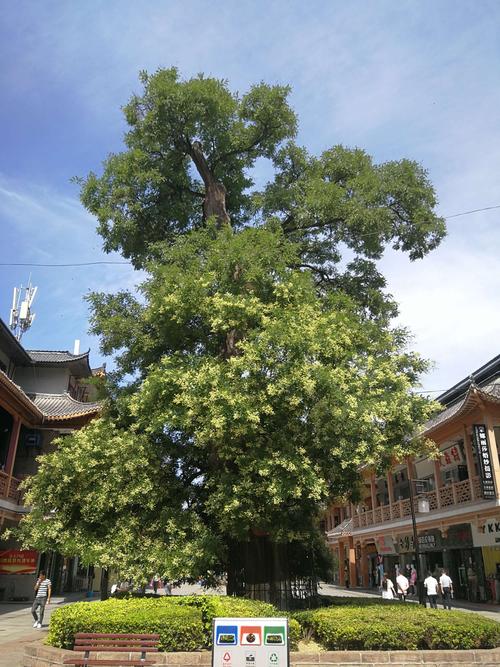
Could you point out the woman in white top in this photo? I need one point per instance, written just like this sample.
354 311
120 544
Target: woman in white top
387 588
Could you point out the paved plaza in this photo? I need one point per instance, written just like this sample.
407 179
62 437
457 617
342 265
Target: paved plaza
16 621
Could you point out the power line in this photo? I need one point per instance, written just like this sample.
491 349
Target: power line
447 217
475 210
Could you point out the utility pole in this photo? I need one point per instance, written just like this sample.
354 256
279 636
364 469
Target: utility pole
420 583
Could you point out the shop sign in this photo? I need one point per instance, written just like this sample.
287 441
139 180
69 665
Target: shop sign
385 545
484 458
14 561
425 543
451 456
487 535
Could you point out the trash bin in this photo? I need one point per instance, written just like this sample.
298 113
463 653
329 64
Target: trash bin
90 594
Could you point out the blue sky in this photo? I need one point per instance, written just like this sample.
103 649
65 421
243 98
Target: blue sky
417 79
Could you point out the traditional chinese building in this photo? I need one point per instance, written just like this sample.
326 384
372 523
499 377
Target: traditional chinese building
43 394
461 531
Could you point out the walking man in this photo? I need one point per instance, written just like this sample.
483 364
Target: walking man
43 591
431 587
402 584
446 588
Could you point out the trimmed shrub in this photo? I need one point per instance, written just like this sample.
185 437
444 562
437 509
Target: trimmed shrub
180 627
184 623
214 606
394 626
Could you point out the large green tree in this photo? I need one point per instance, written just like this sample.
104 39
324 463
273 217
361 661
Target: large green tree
256 366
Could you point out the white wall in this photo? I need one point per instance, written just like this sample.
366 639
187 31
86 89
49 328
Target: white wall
42 380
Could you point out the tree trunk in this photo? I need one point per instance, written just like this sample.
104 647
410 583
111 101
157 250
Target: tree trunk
214 204
104 583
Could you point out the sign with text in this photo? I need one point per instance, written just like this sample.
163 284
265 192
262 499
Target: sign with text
14 561
451 456
385 544
484 460
250 642
426 542
487 534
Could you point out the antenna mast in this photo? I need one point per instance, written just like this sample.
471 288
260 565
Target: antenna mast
21 317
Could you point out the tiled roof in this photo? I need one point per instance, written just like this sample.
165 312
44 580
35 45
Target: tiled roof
54 356
490 392
344 528
15 390
62 406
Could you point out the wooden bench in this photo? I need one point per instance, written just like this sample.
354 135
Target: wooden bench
89 643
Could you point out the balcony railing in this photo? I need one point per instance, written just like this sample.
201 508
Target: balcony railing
11 490
458 493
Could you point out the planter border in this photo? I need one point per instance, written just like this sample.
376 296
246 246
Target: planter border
38 654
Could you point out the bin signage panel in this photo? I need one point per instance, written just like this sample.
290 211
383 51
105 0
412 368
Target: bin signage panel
250 642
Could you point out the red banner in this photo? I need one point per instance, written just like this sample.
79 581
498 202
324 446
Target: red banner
14 561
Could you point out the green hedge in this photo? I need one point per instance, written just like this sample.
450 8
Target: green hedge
394 626
232 607
180 627
183 622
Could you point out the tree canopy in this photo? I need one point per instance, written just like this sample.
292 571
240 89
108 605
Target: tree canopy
257 367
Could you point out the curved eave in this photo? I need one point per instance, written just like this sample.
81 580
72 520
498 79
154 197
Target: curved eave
18 401
72 416
473 398
78 363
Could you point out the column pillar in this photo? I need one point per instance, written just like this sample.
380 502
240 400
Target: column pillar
438 480
11 452
341 564
411 470
14 439
364 568
390 489
390 486
469 459
495 463
352 564
373 490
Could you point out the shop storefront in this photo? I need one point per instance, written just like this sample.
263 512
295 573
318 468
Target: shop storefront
454 550
487 538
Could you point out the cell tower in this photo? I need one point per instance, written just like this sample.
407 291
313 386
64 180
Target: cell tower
21 317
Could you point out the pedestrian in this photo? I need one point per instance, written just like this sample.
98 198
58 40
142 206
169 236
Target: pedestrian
413 580
387 588
431 588
446 586
43 592
156 583
402 584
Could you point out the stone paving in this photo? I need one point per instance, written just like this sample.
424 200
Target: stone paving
16 621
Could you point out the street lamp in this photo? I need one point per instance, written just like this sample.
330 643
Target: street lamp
423 507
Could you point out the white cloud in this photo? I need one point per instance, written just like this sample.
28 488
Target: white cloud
42 226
